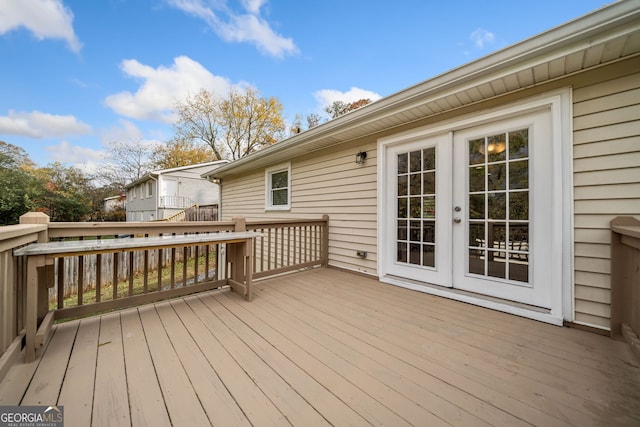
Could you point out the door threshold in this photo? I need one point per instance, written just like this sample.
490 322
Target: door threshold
512 307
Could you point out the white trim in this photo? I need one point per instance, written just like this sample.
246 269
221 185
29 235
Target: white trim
559 102
504 307
268 206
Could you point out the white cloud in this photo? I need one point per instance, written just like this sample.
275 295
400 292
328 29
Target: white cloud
481 37
44 18
41 125
161 87
329 96
126 131
66 153
247 27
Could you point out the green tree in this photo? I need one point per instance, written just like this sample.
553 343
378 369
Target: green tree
65 193
17 183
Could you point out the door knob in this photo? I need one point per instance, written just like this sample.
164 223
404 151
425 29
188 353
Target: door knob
457 220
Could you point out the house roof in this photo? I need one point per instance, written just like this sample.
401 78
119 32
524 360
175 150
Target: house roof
154 174
606 35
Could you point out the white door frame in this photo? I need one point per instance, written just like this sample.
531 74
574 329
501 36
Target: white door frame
561 268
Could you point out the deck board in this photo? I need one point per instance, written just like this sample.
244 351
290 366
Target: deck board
146 401
110 399
76 394
326 347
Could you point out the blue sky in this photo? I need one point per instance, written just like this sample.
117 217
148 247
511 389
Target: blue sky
77 75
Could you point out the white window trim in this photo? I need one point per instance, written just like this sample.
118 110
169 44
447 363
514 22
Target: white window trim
268 206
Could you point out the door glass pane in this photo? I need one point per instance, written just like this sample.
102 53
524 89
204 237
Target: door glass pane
429 159
415 250
519 174
415 231
518 267
476 234
416 207
496 177
402 230
498 210
496 264
497 205
429 183
429 207
476 178
476 151
429 232
415 161
415 187
519 144
476 261
497 235
403 163
519 205
403 186
496 147
476 206
402 252
429 255
402 207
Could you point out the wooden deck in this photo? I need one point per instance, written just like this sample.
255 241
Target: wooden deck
326 347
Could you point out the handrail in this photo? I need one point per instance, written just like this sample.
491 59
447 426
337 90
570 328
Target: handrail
182 213
625 280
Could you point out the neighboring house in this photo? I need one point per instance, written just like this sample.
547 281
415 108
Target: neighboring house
493 183
163 193
115 202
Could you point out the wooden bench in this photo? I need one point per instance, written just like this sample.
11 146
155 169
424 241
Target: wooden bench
39 255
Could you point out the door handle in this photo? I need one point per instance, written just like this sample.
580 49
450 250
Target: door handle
457 220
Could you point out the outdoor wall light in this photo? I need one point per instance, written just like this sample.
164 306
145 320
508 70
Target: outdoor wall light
361 157
493 148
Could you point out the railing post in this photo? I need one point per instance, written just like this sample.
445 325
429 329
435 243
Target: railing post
625 279
240 224
36 290
325 241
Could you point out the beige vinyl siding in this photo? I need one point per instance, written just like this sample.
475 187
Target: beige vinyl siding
606 170
324 182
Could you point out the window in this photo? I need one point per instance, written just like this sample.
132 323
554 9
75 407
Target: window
149 189
278 187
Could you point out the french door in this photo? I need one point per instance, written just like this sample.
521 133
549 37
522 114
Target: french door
471 209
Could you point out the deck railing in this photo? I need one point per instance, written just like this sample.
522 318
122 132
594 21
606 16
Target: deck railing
12 291
84 284
625 280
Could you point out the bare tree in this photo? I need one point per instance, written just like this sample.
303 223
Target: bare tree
127 162
233 127
198 121
339 108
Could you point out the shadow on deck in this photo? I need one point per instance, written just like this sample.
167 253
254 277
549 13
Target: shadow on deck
326 347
